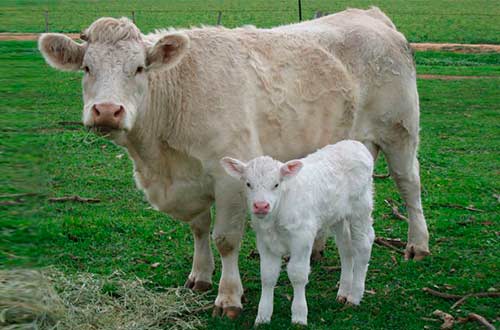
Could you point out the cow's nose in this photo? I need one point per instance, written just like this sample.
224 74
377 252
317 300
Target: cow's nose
261 207
107 115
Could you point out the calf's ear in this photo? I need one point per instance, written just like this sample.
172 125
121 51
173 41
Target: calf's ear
290 169
233 167
168 51
60 52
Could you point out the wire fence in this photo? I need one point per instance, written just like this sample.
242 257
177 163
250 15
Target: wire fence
458 24
62 21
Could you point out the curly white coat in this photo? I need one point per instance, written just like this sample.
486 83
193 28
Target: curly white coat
329 190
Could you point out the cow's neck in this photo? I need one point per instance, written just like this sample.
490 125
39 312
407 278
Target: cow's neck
160 116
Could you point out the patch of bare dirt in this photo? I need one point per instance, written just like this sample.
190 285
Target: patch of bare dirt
6 36
457 48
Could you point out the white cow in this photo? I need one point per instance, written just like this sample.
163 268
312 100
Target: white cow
179 100
293 202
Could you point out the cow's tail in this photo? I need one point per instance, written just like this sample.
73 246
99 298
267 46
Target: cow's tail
376 13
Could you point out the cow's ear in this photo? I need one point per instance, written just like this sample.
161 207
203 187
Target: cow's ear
290 169
61 52
168 51
233 167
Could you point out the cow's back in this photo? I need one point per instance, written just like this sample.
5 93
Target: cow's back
365 41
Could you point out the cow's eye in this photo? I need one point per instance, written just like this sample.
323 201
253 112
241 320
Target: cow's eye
140 69
276 185
249 185
86 69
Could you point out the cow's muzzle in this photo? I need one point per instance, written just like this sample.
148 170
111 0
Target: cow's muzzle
107 116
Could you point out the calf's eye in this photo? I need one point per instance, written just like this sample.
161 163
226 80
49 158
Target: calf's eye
276 185
86 69
249 185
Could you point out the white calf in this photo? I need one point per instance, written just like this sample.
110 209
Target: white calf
292 203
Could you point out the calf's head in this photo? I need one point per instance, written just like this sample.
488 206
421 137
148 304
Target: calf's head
263 178
116 59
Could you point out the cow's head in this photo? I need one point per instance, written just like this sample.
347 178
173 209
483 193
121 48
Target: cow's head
116 59
263 177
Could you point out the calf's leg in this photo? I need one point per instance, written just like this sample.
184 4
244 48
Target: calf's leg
270 265
344 245
298 272
200 278
362 236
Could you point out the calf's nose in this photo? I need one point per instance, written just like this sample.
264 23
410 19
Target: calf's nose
107 115
261 207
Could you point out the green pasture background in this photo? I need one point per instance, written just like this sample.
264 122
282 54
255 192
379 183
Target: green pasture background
42 152
462 21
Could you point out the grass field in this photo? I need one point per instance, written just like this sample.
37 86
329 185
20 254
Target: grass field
459 154
461 21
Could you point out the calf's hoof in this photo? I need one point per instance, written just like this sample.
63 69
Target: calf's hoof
261 321
299 324
352 301
232 312
342 299
416 252
199 286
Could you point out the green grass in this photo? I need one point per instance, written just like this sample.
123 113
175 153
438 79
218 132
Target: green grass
461 21
459 154
447 63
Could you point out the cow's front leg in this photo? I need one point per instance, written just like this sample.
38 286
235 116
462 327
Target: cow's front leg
227 234
200 278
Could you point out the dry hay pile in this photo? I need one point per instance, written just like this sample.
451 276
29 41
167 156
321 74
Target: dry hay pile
52 300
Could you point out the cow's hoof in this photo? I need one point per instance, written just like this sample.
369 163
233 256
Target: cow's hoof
341 299
189 284
317 256
202 286
415 252
231 312
199 286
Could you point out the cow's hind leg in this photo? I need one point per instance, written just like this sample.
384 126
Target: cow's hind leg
200 278
319 247
404 168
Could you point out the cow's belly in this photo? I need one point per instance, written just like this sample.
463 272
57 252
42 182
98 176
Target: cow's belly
181 198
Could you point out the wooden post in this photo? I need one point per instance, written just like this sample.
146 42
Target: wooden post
133 16
46 14
219 17
300 10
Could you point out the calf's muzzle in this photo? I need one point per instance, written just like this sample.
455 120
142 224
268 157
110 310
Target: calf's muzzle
107 115
260 208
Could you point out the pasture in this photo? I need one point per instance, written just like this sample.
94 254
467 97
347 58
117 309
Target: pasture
46 152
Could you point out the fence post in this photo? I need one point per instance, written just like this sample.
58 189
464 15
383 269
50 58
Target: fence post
219 17
133 16
300 11
46 14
